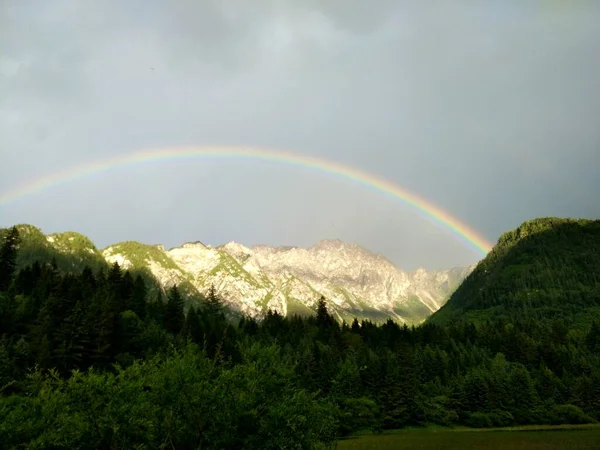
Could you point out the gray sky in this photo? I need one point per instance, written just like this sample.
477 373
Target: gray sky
490 110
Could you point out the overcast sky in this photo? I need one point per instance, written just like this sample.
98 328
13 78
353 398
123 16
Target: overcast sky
488 109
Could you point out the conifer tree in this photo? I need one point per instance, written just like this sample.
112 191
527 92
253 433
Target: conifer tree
138 297
193 326
8 257
214 305
324 319
593 338
174 317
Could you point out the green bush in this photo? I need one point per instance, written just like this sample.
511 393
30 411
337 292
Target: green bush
358 414
438 410
569 414
535 416
185 401
502 418
479 420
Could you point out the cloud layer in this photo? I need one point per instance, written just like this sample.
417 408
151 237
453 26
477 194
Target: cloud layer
489 110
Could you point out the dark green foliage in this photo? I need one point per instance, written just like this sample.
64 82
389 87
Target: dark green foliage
358 414
568 414
324 319
173 315
214 306
184 402
593 338
9 244
193 326
479 420
137 300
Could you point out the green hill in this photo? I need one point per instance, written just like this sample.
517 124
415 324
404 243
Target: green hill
546 268
71 251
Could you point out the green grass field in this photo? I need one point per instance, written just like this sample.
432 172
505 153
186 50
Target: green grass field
518 438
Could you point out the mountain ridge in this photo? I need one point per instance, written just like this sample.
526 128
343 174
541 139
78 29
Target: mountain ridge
251 280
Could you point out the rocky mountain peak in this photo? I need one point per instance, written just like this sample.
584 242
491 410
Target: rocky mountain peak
236 250
196 244
355 281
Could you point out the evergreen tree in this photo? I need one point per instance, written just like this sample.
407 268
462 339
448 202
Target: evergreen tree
126 290
193 326
593 338
138 297
214 306
8 257
174 317
324 319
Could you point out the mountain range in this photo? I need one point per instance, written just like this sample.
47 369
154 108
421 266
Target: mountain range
251 280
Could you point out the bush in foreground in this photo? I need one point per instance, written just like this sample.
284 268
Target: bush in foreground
185 401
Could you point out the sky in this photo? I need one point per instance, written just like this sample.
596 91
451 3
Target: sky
489 110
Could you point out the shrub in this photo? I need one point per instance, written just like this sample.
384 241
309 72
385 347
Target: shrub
184 401
569 414
479 420
358 414
502 418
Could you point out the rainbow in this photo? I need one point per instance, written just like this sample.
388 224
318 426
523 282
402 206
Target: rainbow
425 208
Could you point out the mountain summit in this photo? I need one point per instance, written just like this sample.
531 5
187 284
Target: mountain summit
251 280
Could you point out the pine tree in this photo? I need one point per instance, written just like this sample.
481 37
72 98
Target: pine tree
324 319
107 336
8 257
138 297
248 326
114 282
592 339
7 313
476 392
214 305
174 317
193 326
70 352
126 292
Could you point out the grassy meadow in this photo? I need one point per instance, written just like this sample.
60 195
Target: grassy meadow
517 438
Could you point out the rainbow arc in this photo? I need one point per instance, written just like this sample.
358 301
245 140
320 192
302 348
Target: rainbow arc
427 209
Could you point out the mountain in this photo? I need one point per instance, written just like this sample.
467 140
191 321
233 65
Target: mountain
356 282
72 251
545 268
251 280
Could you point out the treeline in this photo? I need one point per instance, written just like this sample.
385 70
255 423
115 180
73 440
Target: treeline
95 361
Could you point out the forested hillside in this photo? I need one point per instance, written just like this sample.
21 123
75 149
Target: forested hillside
546 268
94 360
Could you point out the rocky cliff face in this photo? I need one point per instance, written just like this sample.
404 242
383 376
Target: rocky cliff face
251 280
356 282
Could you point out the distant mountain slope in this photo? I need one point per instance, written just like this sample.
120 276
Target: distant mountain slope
72 251
356 282
547 267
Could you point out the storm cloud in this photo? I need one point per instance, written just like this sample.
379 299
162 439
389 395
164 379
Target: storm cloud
490 110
